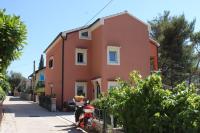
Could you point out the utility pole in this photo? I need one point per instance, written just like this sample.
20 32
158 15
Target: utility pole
33 67
34 76
33 81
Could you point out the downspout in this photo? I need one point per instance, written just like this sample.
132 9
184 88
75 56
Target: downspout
63 59
157 60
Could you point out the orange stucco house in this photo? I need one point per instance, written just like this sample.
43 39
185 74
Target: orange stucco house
87 60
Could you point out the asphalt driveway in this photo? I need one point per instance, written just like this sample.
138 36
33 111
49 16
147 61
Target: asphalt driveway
28 117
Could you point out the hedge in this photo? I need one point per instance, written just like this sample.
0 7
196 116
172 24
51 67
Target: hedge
142 105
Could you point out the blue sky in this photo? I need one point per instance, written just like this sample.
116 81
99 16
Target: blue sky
46 18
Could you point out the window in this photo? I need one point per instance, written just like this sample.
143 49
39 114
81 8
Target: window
113 55
81 56
85 34
41 77
51 62
112 84
81 88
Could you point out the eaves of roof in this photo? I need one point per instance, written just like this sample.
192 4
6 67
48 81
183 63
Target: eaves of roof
154 42
37 71
64 33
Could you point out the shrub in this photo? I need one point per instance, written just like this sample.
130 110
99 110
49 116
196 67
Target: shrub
2 94
39 90
142 105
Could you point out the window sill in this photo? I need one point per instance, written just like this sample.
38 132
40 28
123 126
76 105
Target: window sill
115 64
81 64
85 38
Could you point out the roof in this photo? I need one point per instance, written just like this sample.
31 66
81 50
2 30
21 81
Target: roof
101 20
53 42
37 71
154 42
63 33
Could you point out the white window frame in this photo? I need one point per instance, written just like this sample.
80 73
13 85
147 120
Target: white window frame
112 83
84 51
115 49
84 84
83 37
51 58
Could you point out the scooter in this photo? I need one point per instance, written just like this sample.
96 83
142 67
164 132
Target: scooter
84 116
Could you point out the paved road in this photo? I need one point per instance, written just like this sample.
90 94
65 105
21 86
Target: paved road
27 117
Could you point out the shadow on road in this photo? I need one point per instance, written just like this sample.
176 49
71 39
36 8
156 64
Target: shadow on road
15 99
70 129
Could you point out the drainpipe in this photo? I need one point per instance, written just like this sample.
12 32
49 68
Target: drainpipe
157 60
63 58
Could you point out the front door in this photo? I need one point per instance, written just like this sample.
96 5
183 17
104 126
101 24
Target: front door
97 87
97 90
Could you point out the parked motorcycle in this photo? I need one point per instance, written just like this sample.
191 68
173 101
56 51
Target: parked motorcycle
84 115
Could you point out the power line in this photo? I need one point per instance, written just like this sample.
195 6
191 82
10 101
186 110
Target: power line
99 12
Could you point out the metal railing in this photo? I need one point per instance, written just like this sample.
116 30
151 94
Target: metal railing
104 119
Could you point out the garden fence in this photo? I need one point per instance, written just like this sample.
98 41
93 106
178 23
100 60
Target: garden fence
105 121
45 101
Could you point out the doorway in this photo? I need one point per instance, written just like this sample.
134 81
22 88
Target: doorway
97 88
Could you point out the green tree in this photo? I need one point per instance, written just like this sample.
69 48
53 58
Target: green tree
41 64
16 81
12 38
195 76
175 52
4 84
